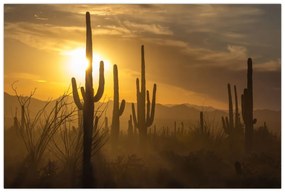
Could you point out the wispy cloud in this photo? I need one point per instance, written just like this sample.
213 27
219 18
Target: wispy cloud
272 65
150 28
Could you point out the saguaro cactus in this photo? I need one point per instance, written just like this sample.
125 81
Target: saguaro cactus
247 108
130 126
237 115
231 124
117 109
88 105
144 117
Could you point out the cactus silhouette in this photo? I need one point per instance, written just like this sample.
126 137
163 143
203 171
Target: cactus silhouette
117 109
237 115
247 108
88 105
145 116
231 124
130 126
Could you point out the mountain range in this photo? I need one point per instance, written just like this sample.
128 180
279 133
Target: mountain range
165 115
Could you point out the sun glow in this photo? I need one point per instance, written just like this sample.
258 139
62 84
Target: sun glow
77 62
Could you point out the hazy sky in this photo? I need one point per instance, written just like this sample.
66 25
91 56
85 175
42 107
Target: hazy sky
192 51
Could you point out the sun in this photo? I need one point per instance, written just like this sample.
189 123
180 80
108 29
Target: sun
77 62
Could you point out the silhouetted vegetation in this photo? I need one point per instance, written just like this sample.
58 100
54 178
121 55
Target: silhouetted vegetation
88 106
117 109
144 117
247 108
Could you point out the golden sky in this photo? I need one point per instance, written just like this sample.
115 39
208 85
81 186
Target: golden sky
191 51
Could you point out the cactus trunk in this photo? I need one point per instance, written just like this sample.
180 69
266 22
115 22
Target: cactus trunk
117 110
237 118
231 112
88 106
247 109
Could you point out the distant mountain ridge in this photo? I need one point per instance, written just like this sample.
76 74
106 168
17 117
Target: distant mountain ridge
165 115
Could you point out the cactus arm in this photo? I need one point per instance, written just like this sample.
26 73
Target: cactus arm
134 116
75 94
138 104
82 92
147 106
237 122
152 105
244 105
100 89
230 108
122 107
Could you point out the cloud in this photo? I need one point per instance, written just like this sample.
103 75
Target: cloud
150 28
22 75
272 65
45 37
36 16
232 58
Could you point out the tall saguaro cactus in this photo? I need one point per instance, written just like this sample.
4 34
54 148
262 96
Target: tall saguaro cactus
117 109
247 108
145 111
88 105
